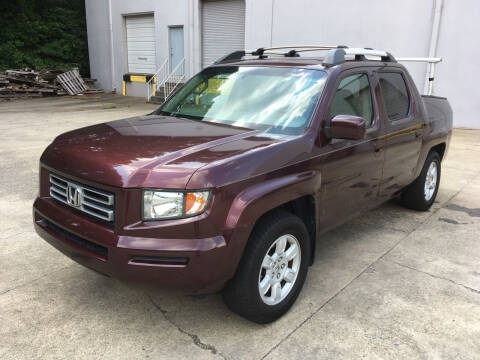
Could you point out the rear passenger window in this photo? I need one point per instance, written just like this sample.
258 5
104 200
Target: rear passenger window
353 97
395 95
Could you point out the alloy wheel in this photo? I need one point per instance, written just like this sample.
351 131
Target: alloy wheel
279 270
431 181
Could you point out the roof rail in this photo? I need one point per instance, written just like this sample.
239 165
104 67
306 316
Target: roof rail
318 47
263 52
337 56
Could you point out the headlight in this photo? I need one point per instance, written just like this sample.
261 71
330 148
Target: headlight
159 205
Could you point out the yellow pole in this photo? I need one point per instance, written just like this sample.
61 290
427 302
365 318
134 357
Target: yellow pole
124 90
154 85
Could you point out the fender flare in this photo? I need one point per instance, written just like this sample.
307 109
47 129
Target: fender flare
426 147
253 202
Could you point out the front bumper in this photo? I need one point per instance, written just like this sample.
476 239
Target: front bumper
188 265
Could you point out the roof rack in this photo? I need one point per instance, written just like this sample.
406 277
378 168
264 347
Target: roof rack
335 55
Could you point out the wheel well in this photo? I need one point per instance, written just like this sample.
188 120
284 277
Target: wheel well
439 149
304 208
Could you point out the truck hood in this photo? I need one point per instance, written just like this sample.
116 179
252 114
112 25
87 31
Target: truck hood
145 151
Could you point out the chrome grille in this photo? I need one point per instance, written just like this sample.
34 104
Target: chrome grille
94 202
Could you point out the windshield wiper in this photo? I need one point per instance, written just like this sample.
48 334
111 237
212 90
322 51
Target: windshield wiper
162 112
192 117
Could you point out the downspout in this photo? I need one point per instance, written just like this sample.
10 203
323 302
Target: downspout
195 43
271 24
112 61
191 35
430 75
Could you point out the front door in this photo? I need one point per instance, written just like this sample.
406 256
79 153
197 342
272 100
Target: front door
175 41
352 169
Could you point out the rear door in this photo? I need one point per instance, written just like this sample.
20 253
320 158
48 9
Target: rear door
403 139
352 169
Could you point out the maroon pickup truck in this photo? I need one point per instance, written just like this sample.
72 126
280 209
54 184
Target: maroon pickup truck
231 182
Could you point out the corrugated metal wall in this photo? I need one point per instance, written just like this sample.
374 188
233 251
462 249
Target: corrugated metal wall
223 28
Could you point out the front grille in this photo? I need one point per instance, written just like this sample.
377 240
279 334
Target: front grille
97 249
99 204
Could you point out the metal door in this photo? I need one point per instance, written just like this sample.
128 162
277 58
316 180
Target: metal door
223 28
141 44
175 43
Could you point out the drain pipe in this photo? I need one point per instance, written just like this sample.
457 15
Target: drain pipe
430 75
112 60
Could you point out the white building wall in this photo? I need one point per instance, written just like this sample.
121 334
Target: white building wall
99 43
166 13
458 75
379 24
402 27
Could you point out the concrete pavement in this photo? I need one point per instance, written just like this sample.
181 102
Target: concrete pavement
393 283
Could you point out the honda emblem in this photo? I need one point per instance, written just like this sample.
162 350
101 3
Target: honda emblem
74 195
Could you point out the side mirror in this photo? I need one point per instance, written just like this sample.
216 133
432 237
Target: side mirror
347 127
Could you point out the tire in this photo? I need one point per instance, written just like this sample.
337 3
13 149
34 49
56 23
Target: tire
416 196
242 294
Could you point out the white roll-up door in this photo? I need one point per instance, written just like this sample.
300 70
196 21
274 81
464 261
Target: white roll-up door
223 28
141 44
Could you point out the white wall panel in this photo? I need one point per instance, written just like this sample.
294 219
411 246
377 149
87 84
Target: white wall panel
458 75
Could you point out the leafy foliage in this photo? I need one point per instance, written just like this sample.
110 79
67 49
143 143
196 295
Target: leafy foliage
43 34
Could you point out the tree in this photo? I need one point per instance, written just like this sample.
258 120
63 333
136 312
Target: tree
43 34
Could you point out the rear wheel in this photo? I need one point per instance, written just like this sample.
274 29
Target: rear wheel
272 270
421 194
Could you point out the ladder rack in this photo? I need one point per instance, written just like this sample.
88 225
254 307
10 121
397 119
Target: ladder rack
431 69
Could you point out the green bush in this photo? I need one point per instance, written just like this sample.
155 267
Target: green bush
43 34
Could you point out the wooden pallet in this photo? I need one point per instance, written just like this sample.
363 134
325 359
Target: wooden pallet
72 82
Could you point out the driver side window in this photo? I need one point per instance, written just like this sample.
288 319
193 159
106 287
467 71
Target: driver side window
353 97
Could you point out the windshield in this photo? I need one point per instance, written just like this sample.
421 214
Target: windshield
274 99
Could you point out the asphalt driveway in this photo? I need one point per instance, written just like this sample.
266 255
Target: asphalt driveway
393 283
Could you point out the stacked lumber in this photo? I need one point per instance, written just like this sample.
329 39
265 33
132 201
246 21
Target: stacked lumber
30 83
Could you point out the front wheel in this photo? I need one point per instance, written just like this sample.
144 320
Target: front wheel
273 269
421 194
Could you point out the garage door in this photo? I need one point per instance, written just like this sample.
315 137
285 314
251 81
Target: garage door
141 44
223 28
